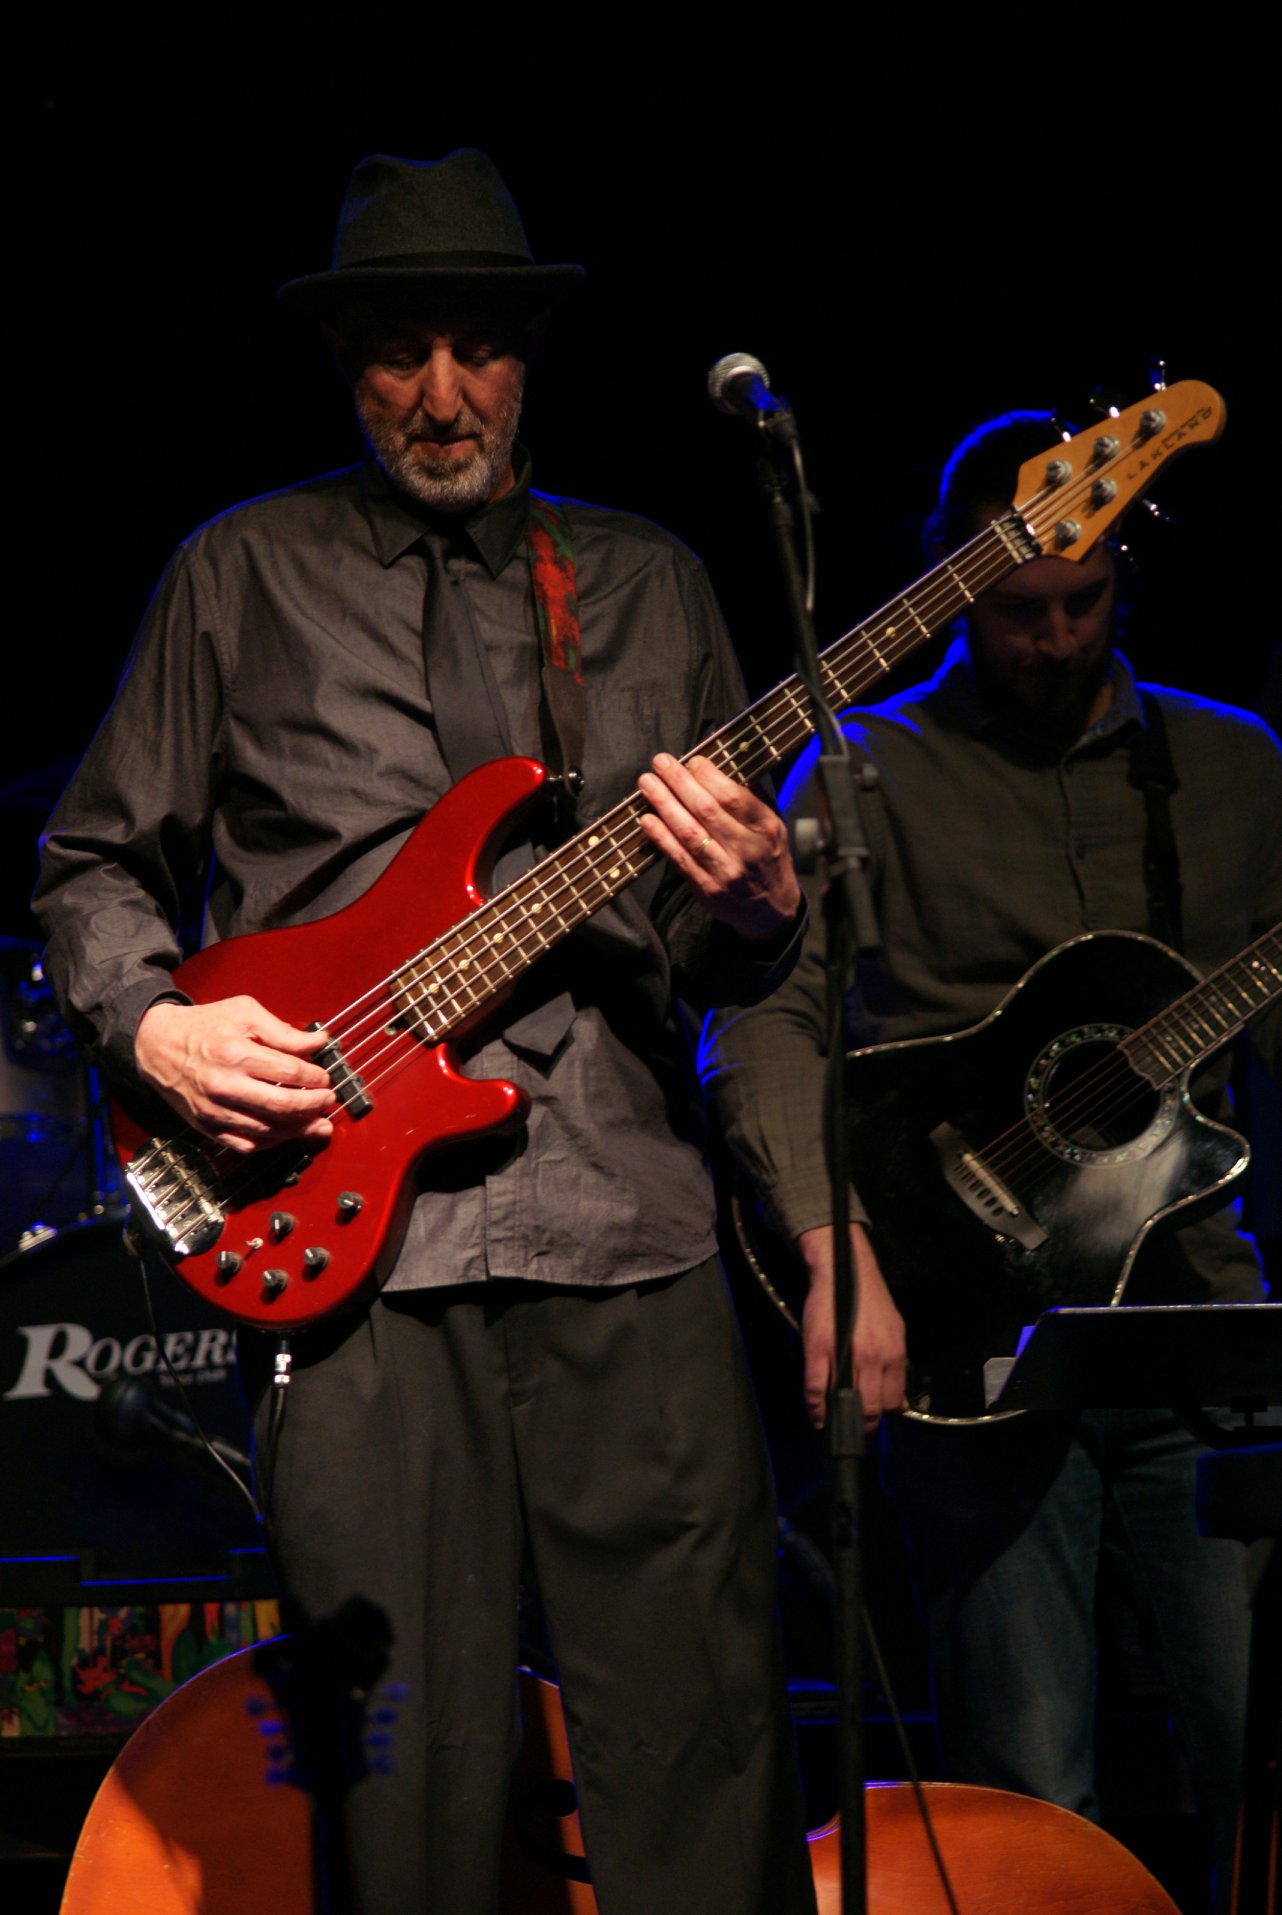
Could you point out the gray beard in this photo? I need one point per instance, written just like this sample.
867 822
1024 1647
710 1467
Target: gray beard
463 487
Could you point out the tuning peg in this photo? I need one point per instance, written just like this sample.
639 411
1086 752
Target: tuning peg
1106 402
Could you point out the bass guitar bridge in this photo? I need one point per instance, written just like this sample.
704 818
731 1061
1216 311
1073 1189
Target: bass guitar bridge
179 1194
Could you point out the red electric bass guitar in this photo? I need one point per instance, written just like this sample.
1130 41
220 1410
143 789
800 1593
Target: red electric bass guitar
290 1233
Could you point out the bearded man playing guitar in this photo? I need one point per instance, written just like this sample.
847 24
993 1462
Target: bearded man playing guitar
1024 798
549 1374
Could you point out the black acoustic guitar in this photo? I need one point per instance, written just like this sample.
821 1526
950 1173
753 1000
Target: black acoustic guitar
1022 1163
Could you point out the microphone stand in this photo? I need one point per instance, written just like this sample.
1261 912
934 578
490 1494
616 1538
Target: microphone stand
851 927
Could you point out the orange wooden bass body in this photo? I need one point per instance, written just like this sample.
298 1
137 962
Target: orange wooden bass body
184 1824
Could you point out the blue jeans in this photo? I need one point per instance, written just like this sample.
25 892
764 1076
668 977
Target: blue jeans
1004 1525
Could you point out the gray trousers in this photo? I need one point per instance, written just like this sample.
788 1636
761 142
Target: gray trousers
613 1434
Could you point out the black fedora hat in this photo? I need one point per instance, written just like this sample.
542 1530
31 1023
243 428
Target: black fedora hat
449 227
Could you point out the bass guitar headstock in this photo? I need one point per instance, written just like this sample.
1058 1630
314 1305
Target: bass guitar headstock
1070 496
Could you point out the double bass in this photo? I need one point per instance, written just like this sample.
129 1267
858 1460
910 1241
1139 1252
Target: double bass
185 1825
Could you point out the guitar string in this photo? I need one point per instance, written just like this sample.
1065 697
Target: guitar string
243 1173
1114 1085
512 906
625 849
619 832
833 667
409 987
622 841
1166 1037
626 838
1239 975
836 663
1117 1085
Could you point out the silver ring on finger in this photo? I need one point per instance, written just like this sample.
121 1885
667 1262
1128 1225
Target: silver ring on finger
706 839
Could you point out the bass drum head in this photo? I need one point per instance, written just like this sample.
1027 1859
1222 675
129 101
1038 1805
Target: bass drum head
104 1465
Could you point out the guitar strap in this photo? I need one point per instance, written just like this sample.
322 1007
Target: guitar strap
470 720
1152 771
550 547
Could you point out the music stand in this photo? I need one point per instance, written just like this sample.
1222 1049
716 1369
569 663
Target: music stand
1141 1355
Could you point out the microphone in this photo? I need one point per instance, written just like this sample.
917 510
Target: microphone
740 385
128 1416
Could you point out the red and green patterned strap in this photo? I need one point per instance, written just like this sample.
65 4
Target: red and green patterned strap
550 545
556 599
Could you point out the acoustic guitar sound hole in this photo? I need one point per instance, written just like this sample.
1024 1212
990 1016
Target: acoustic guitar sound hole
1084 1100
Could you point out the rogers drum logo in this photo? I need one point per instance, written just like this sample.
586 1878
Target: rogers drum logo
67 1358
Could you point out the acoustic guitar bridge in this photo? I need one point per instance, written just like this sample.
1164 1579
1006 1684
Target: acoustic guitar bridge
982 1190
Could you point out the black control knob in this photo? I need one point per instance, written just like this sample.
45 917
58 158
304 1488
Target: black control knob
315 1257
281 1225
227 1265
274 1281
350 1203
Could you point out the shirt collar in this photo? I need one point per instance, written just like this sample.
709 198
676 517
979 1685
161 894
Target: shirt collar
956 680
492 532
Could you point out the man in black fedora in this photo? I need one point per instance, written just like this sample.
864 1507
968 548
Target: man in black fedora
549 1381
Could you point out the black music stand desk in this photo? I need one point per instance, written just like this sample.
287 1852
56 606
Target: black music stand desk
1143 1355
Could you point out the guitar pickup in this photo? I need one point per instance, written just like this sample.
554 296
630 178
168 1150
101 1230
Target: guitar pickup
982 1191
349 1085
